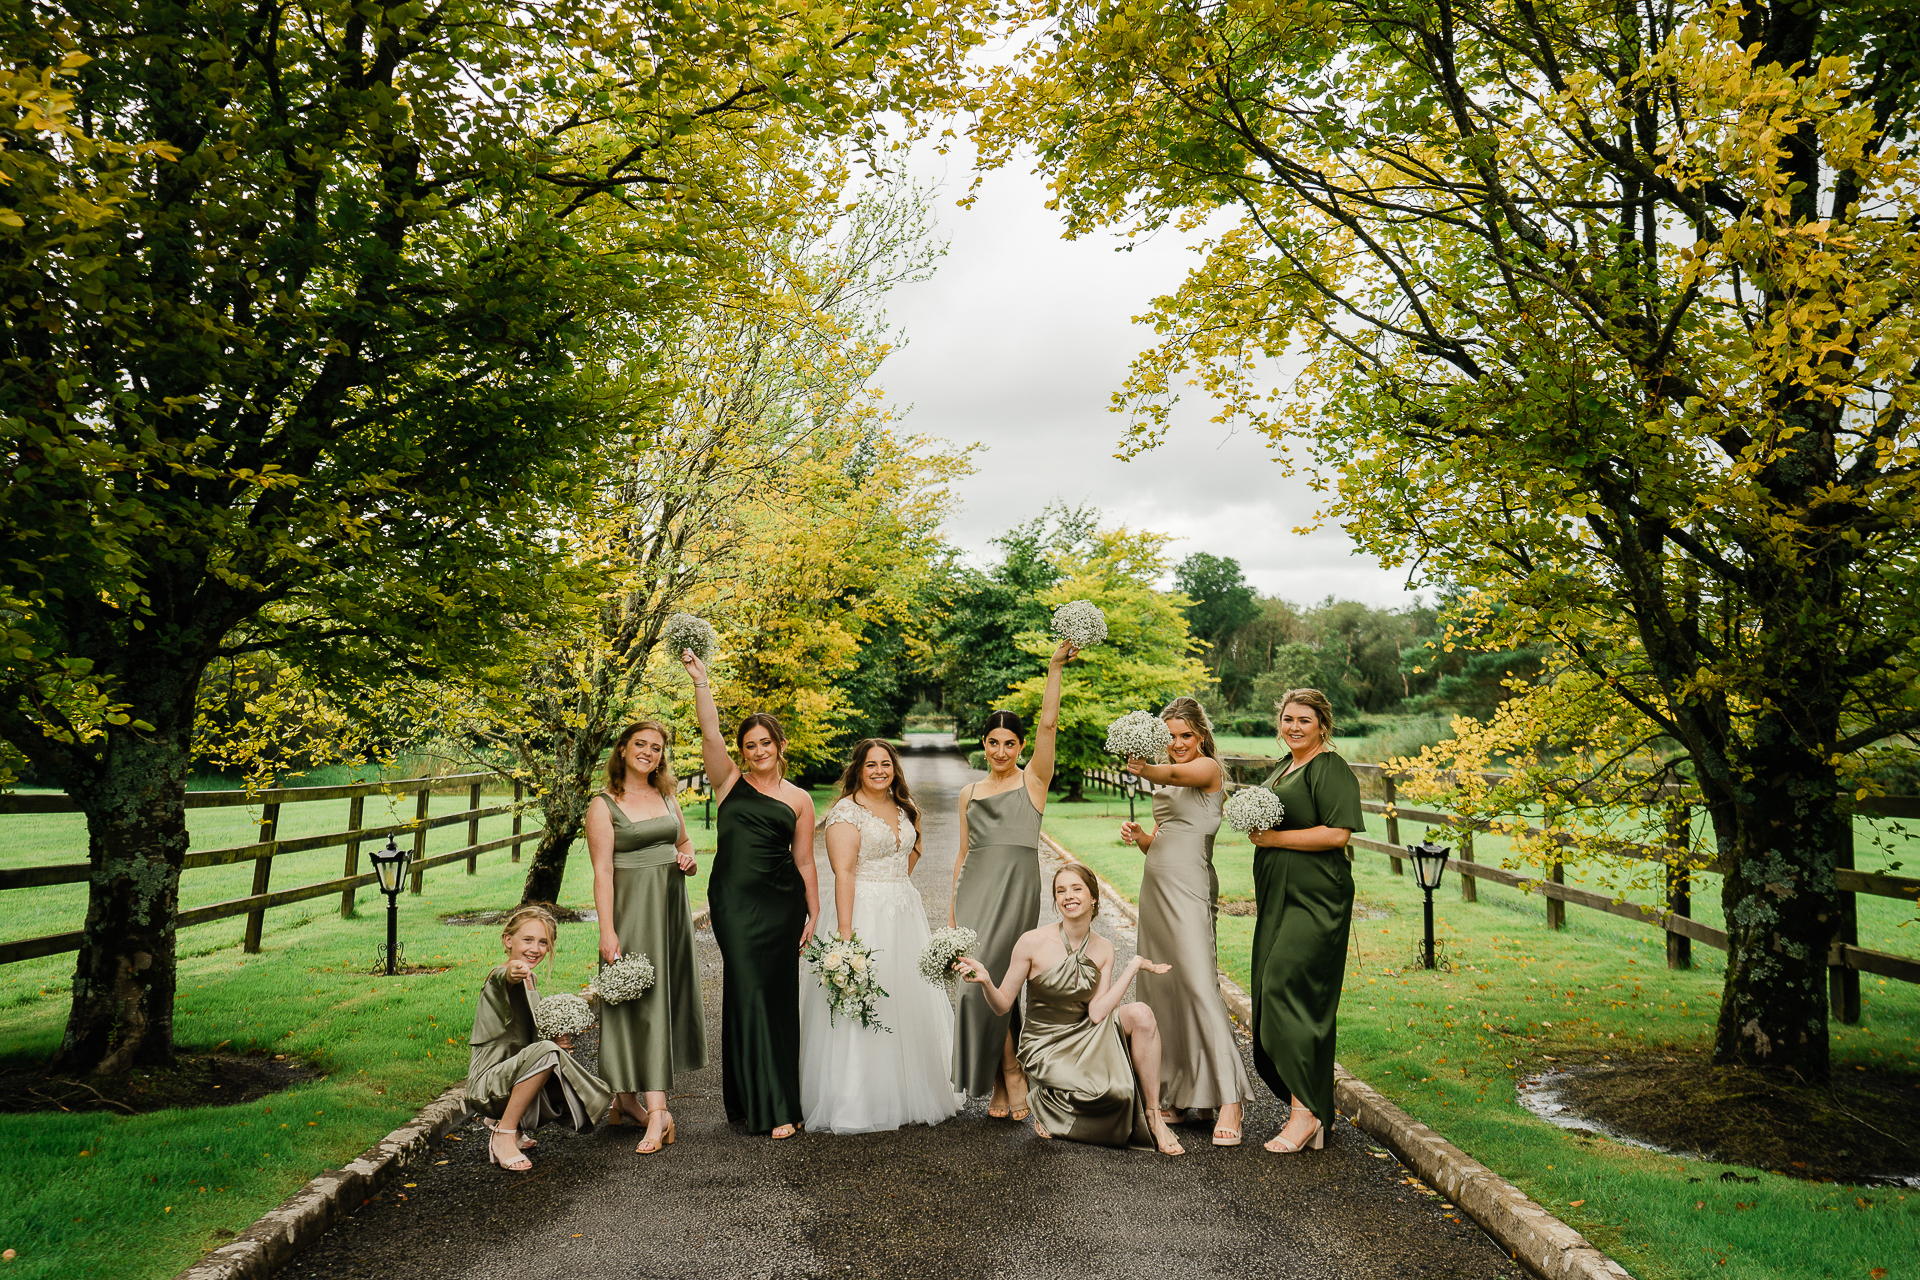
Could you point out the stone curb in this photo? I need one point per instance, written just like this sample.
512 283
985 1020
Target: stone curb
1533 1237
305 1215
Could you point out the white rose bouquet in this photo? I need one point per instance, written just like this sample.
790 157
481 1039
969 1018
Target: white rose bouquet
1253 809
943 948
684 631
628 978
1138 735
845 968
1080 623
559 1016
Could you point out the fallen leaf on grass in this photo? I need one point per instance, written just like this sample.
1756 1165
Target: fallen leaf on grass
1575 1204
1878 1273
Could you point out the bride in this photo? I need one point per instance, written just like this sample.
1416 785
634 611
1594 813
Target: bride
852 1079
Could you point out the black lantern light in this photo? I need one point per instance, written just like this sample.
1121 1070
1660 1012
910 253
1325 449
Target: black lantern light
390 864
1429 866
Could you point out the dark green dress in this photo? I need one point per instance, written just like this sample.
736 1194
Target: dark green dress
644 1041
759 906
1305 903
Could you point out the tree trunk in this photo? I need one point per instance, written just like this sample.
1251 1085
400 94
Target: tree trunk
563 807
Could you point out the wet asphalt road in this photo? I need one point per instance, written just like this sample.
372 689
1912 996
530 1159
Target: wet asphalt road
974 1197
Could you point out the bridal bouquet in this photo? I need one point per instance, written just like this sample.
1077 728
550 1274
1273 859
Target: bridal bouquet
684 631
1138 735
627 978
562 1015
1253 809
1080 623
943 948
845 967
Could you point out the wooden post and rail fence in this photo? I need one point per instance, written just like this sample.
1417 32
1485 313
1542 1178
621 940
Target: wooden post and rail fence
1846 959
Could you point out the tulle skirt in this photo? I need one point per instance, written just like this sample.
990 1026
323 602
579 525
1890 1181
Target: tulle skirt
855 1080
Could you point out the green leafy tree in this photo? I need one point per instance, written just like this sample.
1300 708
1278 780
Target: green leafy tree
1223 603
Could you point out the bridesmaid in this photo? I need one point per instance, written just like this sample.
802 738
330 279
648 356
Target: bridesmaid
765 901
642 857
996 890
1094 1075
1303 888
514 1078
1179 906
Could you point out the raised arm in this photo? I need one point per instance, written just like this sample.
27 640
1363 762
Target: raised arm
959 858
843 855
1202 774
803 859
722 773
1000 999
1040 766
599 826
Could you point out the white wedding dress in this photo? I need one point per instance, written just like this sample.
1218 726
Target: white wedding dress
856 1080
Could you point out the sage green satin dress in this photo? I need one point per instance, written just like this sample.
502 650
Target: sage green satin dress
1079 1073
1200 1063
998 897
644 1041
1305 903
759 906
505 1049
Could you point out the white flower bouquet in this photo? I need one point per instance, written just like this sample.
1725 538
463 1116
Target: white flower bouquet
1253 809
845 968
1080 623
1138 735
684 631
943 948
628 978
559 1016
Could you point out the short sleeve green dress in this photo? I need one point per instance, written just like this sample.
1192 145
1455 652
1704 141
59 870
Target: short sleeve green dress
1305 904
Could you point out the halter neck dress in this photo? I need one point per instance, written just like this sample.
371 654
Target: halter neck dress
1080 1076
643 1042
998 897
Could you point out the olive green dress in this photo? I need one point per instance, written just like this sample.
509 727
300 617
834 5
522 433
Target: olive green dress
998 897
1305 903
1079 1073
505 1049
1200 1064
644 1041
759 906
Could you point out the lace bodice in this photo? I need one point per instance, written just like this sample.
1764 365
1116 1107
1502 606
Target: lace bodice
882 857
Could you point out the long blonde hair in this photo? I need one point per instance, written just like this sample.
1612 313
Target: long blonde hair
534 911
1195 715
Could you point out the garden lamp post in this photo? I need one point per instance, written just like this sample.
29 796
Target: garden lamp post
1429 865
390 864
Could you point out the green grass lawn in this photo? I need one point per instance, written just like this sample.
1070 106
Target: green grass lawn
1449 1046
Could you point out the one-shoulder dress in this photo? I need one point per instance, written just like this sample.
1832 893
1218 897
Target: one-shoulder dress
1080 1076
998 897
644 1041
505 1049
1200 1064
759 906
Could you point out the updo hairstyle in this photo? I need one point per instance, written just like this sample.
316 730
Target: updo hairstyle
1087 878
1195 715
1314 701
1008 720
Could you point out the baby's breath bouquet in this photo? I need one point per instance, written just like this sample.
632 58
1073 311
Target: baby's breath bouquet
562 1015
1080 623
1253 809
684 631
1138 735
846 970
943 948
628 978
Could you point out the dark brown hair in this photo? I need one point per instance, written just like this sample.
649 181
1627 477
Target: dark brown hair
1087 878
1008 720
1314 701
762 720
850 780
661 779
1196 717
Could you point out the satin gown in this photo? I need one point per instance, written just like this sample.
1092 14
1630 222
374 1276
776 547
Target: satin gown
1079 1072
1200 1063
1305 903
504 1049
998 897
759 906
644 1042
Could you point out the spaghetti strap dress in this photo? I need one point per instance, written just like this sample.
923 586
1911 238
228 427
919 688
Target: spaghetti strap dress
998 897
1082 1081
644 1041
505 1049
759 906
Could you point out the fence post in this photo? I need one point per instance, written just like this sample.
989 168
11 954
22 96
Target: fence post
1469 886
420 837
1843 982
262 874
1556 874
356 811
1393 821
473 828
519 790
1679 886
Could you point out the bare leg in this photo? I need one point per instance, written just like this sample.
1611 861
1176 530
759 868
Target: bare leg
1014 1080
1143 1042
628 1104
503 1143
1298 1130
1227 1127
659 1122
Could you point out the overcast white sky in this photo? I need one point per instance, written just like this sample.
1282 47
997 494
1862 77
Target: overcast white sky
1018 341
